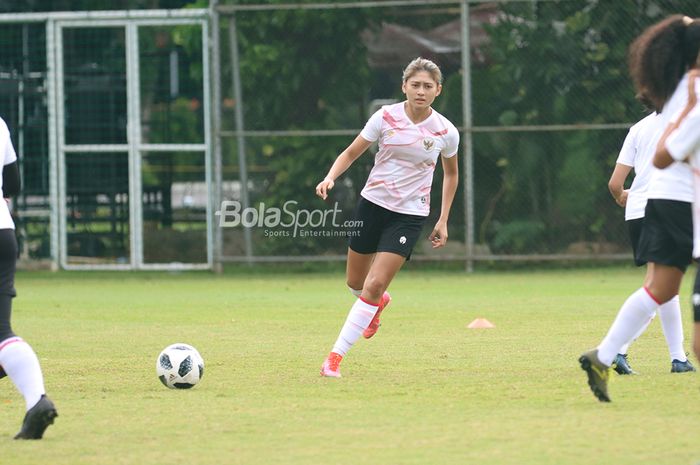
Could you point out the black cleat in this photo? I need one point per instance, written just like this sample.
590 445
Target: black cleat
598 374
681 367
622 366
37 419
2 372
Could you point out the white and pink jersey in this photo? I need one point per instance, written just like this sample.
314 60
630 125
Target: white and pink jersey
683 144
7 156
402 175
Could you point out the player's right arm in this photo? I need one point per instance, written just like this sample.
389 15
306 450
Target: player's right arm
341 164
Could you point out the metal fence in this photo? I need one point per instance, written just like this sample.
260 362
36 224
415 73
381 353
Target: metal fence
538 89
190 138
110 112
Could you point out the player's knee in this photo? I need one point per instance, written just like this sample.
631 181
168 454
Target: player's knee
374 287
354 285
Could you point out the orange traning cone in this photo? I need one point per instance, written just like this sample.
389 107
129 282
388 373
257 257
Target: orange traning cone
480 323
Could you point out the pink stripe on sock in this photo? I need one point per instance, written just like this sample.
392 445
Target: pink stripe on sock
658 302
368 302
9 341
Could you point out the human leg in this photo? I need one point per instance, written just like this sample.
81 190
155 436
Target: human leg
696 339
672 325
17 357
621 363
633 315
356 270
696 314
382 271
638 309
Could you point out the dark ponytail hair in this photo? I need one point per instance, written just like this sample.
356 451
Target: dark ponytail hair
691 44
661 55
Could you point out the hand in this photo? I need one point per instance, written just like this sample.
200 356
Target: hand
323 187
438 237
696 340
622 199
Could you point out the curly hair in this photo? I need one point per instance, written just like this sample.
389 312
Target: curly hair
661 55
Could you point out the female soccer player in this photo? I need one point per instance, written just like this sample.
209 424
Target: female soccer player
659 60
682 143
637 152
396 198
17 358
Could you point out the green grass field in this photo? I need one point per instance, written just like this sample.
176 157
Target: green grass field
425 390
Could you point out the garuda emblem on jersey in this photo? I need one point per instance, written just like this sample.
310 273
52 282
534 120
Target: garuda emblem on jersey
428 144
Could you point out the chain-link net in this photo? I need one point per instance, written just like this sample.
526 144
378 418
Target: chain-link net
23 100
551 102
549 105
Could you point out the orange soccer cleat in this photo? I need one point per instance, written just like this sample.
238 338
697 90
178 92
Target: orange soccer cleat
331 366
374 324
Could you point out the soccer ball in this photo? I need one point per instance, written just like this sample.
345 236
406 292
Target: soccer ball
179 366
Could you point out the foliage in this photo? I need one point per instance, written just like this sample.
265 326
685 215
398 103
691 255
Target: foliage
557 62
300 70
560 62
519 237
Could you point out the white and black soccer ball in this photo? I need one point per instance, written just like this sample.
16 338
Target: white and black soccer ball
179 366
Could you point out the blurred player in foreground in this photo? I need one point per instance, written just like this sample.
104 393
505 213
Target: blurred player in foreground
17 358
682 144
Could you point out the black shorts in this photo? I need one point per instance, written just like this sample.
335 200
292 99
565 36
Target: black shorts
634 227
667 234
382 230
8 260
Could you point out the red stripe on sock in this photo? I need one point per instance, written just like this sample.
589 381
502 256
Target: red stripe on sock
658 302
368 302
9 341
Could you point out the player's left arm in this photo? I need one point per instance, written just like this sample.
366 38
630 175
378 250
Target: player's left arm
450 180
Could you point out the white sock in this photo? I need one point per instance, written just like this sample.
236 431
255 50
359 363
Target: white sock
355 292
626 347
672 324
633 315
360 316
22 366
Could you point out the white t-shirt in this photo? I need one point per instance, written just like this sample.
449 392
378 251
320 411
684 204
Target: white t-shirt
684 144
637 151
676 181
402 175
7 156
